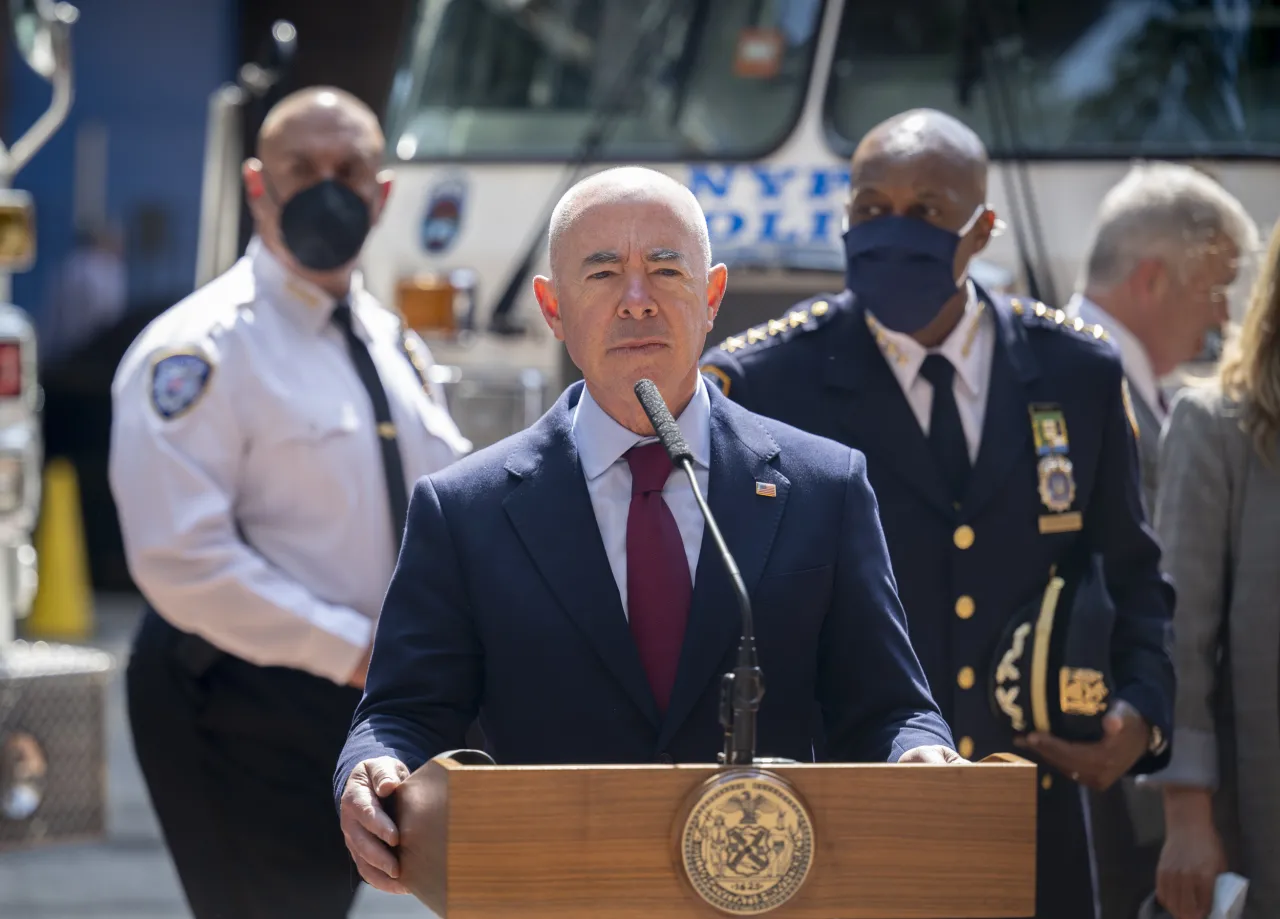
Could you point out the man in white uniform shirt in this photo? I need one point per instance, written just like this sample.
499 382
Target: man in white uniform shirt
1166 250
266 433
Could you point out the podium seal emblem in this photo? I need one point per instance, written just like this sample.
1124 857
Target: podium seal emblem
746 843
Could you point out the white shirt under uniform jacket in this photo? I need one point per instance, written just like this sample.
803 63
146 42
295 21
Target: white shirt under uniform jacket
602 445
970 348
1133 355
247 472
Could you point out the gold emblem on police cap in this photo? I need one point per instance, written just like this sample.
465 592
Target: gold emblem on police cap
746 844
1082 691
1057 482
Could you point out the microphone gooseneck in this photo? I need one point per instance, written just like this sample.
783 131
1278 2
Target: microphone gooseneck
664 425
742 688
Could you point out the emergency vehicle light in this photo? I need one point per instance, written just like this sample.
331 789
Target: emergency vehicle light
436 303
17 230
10 369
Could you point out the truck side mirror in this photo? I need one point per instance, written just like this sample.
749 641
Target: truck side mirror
40 28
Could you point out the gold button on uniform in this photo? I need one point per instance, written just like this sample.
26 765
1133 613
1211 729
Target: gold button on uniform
965 678
965 747
964 606
1047 782
963 537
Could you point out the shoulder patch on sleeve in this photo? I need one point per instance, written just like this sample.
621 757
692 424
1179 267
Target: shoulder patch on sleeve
717 376
410 349
178 380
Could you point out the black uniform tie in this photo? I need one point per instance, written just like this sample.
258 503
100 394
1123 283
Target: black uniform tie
946 433
392 466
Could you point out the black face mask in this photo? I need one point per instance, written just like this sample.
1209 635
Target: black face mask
325 225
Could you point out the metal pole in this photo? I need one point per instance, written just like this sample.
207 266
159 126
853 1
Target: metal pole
8 575
58 19
218 243
6 278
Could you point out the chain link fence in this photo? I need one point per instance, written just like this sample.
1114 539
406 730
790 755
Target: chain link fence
53 766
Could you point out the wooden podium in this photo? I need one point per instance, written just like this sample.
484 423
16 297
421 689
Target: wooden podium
586 842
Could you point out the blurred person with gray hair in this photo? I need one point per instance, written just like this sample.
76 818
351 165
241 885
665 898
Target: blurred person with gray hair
1168 245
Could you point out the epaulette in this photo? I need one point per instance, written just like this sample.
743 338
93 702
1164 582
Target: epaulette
805 316
1035 313
410 347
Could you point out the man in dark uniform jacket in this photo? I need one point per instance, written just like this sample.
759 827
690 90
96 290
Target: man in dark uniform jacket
998 437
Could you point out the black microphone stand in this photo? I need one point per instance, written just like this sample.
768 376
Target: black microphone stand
742 688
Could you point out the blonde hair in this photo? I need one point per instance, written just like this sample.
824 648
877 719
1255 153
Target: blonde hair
1249 372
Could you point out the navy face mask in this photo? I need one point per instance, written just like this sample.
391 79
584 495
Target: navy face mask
325 225
902 269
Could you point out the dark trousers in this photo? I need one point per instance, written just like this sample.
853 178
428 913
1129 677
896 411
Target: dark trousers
239 762
1064 853
1126 863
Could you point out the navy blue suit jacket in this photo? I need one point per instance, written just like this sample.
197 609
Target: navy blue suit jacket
503 604
819 368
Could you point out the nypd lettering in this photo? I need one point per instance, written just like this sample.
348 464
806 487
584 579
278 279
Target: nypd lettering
760 209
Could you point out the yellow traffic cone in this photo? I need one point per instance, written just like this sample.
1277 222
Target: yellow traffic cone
63 605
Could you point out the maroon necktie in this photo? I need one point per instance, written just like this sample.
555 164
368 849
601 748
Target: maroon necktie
659 589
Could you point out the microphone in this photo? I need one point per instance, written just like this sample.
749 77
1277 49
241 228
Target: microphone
742 688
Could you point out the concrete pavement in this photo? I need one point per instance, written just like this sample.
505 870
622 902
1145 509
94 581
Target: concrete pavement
128 875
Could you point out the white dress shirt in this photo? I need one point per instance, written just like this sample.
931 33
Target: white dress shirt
258 518
602 444
970 347
1134 359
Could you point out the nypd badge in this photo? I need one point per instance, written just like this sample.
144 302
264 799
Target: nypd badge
1057 479
1057 484
443 217
178 380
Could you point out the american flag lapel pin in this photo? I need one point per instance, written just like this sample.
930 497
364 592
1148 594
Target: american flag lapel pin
766 489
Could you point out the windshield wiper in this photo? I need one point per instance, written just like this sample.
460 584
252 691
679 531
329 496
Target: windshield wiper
602 117
1001 106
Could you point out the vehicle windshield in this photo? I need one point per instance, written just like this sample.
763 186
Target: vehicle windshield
1085 78
663 79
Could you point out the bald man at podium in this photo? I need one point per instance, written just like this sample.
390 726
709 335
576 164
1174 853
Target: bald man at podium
562 584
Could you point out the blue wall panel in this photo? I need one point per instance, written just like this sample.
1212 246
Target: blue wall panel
145 69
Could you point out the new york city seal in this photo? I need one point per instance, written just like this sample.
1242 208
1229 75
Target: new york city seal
746 843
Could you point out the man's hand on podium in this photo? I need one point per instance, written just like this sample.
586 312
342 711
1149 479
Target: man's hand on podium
936 754
367 826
